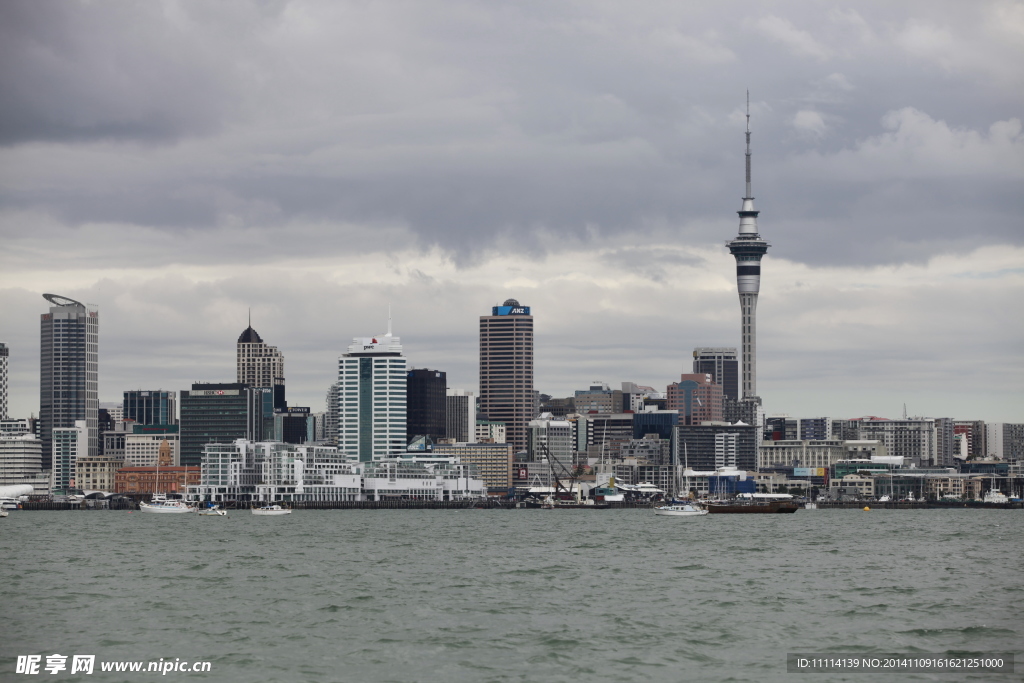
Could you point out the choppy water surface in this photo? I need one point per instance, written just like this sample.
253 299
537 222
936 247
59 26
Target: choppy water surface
507 595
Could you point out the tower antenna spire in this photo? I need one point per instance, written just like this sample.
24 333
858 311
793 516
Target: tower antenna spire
250 316
749 195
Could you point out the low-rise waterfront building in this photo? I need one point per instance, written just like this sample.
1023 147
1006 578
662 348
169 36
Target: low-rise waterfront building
150 480
21 458
414 479
815 453
98 473
493 462
273 472
162 477
853 485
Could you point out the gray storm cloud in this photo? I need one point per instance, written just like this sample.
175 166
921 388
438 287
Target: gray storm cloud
178 160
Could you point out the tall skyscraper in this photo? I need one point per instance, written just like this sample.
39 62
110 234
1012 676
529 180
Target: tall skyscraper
372 398
748 248
69 366
261 365
506 369
426 405
157 407
4 357
722 364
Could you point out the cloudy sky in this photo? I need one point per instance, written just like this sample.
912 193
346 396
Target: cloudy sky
177 163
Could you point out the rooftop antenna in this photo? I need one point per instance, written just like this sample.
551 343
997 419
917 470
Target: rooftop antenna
250 317
749 196
904 411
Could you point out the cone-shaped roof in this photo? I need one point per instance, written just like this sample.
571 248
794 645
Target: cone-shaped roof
249 336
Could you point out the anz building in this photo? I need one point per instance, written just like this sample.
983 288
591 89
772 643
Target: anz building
506 369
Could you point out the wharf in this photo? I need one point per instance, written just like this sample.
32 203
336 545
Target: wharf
918 505
92 505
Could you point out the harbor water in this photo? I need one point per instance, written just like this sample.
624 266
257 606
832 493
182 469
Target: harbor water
509 595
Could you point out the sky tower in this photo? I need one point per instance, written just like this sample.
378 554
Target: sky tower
748 248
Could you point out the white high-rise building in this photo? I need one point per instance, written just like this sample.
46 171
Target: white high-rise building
68 444
460 415
372 398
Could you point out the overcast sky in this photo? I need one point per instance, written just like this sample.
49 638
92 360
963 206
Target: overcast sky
176 163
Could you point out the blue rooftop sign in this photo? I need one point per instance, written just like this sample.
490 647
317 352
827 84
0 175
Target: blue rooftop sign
510 310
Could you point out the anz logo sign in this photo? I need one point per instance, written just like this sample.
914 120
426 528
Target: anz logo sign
511 310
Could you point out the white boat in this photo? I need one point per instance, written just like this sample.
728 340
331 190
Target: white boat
995 496
271 510
810 505
161 505
213 511
4 513
683 510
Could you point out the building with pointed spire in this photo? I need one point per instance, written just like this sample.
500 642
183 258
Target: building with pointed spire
748 248
261 365
371 398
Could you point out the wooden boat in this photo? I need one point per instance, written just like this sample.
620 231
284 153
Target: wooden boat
753 508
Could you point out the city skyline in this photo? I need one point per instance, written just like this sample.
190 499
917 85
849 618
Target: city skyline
593 175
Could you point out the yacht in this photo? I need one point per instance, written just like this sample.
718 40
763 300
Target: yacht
212 511
161 504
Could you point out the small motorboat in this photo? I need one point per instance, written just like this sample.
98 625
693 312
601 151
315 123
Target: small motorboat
212 511
680 510
271 510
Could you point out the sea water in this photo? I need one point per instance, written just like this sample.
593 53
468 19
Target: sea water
508 595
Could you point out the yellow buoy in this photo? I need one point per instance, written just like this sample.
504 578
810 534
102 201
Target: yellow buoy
867 509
